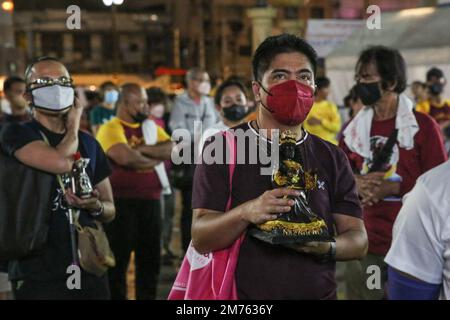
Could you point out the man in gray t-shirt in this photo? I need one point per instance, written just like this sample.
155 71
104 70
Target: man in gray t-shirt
192 106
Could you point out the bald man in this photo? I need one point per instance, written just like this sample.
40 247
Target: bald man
56 115
137 192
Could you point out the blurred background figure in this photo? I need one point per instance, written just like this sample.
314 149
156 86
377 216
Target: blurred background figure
419 92
324 120
105 111
93 99
353 104
194 105
158 104
437 106
14 89
231 103
137 193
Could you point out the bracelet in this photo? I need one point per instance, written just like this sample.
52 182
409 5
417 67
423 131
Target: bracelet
330 255
332 252
99 212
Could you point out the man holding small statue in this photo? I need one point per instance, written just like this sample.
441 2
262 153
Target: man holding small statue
81 197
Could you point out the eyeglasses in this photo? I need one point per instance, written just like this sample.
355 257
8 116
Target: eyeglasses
47 81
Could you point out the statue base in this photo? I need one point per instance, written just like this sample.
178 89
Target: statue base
279 232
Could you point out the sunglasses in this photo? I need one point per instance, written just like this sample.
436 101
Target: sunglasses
47 81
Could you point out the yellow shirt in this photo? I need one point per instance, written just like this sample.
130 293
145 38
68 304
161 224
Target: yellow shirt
423 106
118 131
130 183
440 112
328 113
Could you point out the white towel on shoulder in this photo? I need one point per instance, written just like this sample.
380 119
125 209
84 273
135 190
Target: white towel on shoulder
150 132
357 133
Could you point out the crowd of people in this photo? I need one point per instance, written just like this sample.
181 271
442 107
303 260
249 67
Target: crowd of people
382 176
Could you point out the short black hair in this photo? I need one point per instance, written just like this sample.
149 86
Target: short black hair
435 72
7 85
156 95
40 59
107 84
228 83
419 83
274 45
322 82
390 65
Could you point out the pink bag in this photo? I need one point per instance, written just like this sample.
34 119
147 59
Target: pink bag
210 276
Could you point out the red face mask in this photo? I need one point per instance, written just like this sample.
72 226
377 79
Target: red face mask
290 102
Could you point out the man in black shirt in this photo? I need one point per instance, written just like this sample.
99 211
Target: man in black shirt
57 116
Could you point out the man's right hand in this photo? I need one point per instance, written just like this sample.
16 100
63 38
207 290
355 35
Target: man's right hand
264 207
74 116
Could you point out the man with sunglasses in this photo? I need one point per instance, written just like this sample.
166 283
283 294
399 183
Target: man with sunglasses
56 115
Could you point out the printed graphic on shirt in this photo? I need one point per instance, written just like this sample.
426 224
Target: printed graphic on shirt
389 168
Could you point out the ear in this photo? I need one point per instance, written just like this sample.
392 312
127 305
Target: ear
391 86
27 96
255 88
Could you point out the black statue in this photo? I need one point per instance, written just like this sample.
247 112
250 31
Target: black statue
300 224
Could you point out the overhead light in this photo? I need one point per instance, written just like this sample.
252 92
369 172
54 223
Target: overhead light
108 2
117 2
8 6
154 17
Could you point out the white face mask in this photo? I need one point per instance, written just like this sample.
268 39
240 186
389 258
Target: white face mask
157 111
204 88
54 98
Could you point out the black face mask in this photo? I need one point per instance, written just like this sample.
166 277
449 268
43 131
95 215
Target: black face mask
234 113
369 93
140 117
436 89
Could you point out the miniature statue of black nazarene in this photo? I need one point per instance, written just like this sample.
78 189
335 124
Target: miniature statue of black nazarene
300 224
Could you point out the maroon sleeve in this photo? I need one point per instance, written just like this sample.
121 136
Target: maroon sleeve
211 186
345 198
432 151
431 147
354 159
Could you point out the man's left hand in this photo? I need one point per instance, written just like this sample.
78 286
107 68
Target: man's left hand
314 247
